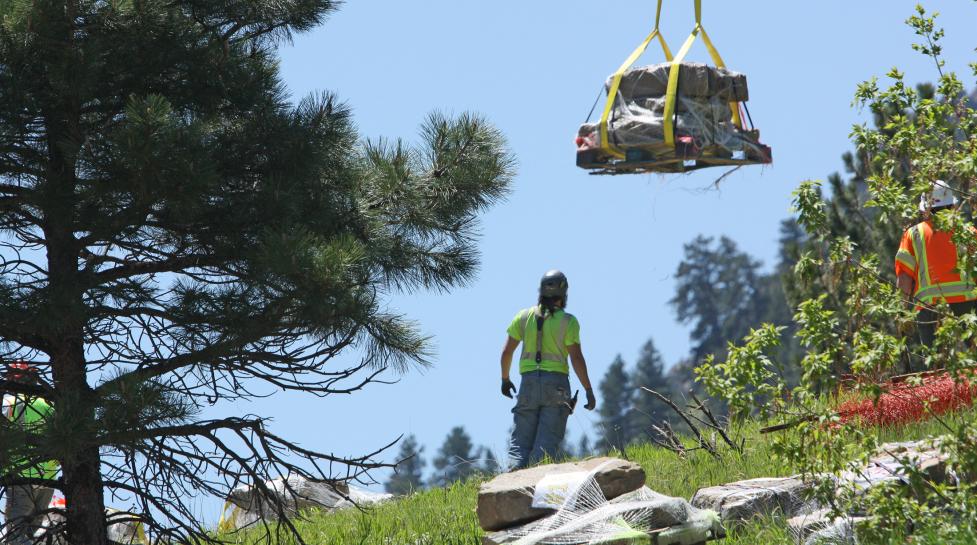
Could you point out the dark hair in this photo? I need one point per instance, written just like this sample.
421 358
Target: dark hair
552 304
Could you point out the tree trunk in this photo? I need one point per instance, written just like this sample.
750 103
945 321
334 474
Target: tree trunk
81 467
83 498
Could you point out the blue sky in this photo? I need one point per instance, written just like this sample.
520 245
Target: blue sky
533 68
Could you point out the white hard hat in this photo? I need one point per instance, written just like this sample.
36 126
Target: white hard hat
941 195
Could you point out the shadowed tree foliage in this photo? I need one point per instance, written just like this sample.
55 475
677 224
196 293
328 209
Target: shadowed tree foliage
456 459
718 293
722 293
409 474
850 322
583 447
488 463
848 216
177 233
615 402
645 410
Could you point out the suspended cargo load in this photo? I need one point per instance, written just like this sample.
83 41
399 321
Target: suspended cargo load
671 117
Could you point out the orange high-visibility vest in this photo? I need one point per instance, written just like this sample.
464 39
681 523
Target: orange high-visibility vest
930 258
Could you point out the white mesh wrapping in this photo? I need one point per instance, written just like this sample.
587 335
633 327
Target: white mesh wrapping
586 517
702 110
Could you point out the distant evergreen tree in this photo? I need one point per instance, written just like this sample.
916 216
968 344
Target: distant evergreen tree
718 294
776 289
681 380
456 459
722 294
615 402
488 464
408 476
583 447
646 409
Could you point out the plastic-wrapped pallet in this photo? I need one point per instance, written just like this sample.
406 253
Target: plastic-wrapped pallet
703 122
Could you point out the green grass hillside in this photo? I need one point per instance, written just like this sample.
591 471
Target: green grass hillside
447 515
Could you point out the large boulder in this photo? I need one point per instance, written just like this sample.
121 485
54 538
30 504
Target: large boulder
745 500
820 527
507 500
888 466
841 531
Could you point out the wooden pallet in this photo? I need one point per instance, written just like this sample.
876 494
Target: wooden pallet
664 159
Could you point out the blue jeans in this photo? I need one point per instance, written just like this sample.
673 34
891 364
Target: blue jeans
24 502
540 416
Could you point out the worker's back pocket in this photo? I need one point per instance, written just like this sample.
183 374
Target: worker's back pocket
556 393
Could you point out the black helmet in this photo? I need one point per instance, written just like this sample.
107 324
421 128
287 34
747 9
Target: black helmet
553 284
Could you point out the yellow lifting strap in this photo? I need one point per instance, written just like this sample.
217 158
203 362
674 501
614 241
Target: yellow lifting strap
673 76
605 141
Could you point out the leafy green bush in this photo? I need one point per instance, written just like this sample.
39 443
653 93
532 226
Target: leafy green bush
915 141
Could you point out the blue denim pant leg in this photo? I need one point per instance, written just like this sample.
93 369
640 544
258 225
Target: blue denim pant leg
525 416
554 411
24 502
540 416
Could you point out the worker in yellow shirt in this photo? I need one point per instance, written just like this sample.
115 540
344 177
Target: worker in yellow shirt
544 402
26 503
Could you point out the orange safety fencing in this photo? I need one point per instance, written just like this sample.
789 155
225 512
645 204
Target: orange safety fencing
907 401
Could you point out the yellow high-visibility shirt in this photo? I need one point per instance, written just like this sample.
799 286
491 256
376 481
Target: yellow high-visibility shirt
560 331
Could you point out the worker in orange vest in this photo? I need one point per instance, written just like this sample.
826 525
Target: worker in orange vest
926 266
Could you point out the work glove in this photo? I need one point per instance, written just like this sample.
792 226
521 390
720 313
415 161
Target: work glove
508 388
591 400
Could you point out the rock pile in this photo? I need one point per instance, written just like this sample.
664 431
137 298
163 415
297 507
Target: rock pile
602 500
810 522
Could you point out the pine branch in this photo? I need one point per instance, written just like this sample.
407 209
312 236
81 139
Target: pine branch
140 268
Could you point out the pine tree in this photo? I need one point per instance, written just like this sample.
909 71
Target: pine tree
187 236
645 409
777 288
489 464
583 447
615 402
718 293
456 459
723 294
409 474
